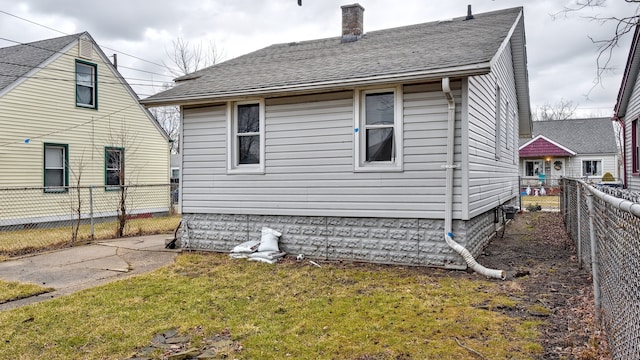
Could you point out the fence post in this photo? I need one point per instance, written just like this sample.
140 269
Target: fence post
91 211
520 193
594 262
578 197
567 206
562 192
568 213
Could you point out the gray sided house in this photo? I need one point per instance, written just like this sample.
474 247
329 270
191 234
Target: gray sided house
627 113
370 146
576 148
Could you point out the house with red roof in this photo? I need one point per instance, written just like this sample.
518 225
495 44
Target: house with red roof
577 148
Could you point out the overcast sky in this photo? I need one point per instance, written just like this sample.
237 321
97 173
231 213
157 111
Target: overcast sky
561 56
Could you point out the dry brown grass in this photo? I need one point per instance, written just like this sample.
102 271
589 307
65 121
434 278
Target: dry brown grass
34 240
550 202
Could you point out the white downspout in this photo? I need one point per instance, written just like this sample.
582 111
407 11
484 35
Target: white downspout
448 197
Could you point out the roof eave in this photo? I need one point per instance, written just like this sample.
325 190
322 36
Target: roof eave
297 89
573 153
630 73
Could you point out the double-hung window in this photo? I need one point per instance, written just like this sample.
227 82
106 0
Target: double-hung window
378 130
86 84
591 168
56 175
113 166
246 137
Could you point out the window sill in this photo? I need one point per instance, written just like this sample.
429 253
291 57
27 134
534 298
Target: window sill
55 191
91 107
246 171
374 168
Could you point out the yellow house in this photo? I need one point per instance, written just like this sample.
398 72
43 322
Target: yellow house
69 120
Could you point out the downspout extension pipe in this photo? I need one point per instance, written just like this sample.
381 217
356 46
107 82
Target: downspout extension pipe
448 199
472 263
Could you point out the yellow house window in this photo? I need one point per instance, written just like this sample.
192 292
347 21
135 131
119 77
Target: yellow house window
86 84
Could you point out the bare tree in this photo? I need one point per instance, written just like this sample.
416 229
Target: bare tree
123 144
169 118
624 25
77 207
185 58
562 110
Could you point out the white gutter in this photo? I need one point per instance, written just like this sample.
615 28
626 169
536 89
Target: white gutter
448 198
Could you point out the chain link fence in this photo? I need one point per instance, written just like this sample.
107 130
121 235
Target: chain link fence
34 218
605 225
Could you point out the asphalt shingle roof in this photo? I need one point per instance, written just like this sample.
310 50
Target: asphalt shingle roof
17 60
417 48
584 136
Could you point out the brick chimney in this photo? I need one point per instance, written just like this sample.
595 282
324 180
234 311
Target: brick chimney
352 19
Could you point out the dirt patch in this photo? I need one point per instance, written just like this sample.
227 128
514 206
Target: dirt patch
544 279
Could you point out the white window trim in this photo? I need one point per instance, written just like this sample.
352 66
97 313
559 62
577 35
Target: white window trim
525 161
582 174
360 164
232 154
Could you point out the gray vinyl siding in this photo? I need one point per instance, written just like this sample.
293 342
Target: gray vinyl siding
574 165
493 178
309 169
633 111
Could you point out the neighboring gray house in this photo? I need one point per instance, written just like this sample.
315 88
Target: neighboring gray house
627 113
368 147
578 148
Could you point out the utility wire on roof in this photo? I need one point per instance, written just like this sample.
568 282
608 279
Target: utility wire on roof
65 54
73 72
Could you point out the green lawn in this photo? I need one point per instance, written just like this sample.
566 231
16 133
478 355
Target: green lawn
288 310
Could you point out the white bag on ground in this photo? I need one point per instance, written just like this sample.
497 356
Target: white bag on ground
269 240
246 247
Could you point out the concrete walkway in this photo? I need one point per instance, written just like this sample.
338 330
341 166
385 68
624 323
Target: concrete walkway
82 267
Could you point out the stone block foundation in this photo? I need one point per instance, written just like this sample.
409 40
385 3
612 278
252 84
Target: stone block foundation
376 240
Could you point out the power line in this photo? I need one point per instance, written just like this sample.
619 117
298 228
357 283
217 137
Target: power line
33 22
69 72
70 127
71 80
63 33
65 54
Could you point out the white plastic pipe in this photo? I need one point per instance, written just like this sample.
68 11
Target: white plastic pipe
448 198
